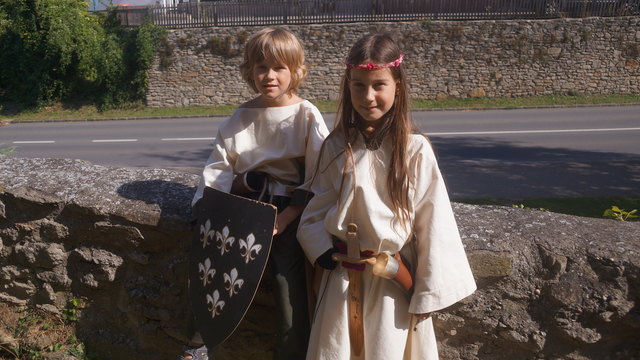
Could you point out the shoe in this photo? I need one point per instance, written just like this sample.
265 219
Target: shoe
195 353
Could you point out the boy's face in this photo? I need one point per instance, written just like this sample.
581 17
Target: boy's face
373 92
272 80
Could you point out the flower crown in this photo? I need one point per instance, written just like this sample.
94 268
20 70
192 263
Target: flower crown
374 66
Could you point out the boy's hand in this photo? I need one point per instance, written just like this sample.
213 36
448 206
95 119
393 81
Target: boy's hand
285 218
238 187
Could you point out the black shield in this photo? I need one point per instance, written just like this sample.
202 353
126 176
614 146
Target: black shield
229 253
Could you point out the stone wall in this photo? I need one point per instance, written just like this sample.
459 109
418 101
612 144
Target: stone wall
444 59
551 286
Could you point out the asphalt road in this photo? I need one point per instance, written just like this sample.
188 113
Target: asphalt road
514 154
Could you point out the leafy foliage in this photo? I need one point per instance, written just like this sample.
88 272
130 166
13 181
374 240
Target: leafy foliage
522 206
55 50
71 312
147 40
48 49
620 214
127 57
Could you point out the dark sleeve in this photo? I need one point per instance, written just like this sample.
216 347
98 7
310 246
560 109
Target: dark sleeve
300 197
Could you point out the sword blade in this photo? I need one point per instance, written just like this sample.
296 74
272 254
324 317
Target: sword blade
356 327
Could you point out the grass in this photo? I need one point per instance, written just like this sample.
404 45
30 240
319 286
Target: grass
32 334
581 206
534 101
86 111
66 112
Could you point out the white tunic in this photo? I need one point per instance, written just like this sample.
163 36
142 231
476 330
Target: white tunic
442 273
283 142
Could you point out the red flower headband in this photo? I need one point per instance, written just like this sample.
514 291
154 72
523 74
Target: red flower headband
373 66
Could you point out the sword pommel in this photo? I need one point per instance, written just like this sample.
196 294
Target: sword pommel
352 228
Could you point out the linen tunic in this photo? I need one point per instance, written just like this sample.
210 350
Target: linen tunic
442 273
282 142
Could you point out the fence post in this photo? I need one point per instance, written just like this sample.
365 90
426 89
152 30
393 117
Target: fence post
286 14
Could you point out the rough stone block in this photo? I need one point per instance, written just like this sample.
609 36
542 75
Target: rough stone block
489 265
33 204
477 93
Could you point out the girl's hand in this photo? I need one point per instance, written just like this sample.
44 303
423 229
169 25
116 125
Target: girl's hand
285 218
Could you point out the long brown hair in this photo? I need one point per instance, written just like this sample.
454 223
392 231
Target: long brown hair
381 48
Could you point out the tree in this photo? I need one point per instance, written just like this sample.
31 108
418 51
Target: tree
48 49
55 50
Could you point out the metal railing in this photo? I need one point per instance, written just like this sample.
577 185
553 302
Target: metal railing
278 12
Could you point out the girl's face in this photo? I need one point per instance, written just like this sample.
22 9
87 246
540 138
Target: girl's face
272 80
373 92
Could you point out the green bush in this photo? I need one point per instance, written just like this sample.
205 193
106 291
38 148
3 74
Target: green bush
48 49
55 50
125 62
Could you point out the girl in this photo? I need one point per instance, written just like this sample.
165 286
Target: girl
266 147
375 172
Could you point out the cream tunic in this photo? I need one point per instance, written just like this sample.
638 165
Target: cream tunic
442 273
283 142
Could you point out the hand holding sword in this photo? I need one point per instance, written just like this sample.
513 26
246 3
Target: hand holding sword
383 265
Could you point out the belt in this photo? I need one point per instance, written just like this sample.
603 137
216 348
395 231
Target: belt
342 248
354 294
388 266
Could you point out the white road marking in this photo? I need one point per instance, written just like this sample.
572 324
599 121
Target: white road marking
507 132
114 140
187 139
497 132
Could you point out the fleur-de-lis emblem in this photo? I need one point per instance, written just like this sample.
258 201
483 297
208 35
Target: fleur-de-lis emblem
232 283
215 304
206 272
224 240
250 247
206 233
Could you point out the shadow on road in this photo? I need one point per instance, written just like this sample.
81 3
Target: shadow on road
504 170
194 159
476 168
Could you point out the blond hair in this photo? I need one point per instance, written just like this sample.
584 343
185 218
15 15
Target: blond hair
278 45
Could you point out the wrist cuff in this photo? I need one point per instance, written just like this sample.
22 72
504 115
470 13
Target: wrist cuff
300 197
254 181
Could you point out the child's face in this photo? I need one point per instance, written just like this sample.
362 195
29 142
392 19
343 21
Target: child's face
373 92
272 80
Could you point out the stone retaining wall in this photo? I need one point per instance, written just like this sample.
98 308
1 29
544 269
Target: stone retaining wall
444 59
551 286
